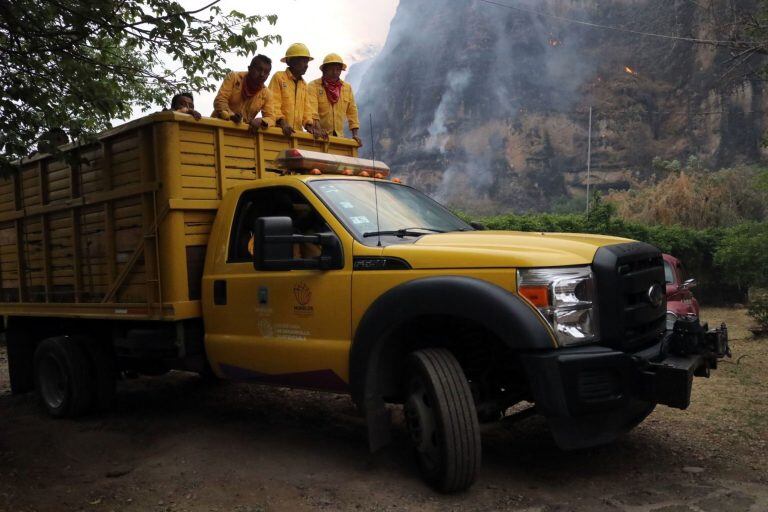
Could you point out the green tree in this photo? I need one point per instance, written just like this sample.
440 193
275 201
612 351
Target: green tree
742 254
74 65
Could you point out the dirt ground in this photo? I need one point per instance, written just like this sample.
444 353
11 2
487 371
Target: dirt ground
177 444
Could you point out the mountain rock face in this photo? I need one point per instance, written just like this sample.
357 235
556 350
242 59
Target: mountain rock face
486 108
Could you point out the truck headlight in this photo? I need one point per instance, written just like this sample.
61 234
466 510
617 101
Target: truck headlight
565 298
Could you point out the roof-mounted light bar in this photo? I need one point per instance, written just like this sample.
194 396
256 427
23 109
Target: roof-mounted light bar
314 162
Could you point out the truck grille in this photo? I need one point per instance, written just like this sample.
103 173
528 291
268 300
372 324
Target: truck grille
625 275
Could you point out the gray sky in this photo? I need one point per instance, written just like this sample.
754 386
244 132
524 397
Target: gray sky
352 28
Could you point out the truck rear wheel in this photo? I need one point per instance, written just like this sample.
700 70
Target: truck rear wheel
63 377
442 421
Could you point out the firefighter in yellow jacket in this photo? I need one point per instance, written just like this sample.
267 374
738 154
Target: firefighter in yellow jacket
243 95
289 90
334 100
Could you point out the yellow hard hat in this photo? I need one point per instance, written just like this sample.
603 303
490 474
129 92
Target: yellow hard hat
296 50
334 58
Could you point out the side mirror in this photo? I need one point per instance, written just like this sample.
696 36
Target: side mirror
268 255
688 284
274 242
478 226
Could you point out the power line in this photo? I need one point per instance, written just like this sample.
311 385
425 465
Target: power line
604 111
713 42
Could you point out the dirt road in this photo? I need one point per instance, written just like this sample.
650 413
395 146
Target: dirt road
176 444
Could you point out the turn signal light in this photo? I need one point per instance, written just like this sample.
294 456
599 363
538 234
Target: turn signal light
347 172
396 180
364 174
315 172
536 295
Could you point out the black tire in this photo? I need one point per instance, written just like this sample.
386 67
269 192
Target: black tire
63 377
442 420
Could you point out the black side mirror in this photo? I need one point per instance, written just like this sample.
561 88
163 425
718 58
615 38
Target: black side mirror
270 255
478 226
274 241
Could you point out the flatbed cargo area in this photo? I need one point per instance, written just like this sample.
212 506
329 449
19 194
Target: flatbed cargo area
117 228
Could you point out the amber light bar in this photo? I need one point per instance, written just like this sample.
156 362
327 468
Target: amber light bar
305 162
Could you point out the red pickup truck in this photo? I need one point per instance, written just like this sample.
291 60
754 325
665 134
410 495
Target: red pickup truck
680 300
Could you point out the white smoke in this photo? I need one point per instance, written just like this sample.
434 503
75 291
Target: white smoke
360 59
457 81
503 69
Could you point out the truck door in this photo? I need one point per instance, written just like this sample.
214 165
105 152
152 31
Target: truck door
284 327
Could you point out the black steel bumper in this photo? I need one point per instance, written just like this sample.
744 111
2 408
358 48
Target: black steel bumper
593 394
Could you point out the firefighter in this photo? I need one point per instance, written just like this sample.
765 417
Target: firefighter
243 95
185 104
333 100
292 106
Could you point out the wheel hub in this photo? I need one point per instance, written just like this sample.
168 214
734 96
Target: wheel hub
422 426
53 382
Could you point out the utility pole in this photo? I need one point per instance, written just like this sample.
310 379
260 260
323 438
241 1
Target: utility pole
589 155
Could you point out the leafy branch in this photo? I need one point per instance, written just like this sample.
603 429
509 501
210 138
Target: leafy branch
77 66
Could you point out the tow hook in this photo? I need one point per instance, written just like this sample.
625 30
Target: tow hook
690 337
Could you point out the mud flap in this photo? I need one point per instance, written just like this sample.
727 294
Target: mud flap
21 351
379 421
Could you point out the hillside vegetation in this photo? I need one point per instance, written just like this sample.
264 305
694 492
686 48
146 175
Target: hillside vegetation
714 222
693 197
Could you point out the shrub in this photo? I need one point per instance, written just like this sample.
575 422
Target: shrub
758 310
695 198
742 254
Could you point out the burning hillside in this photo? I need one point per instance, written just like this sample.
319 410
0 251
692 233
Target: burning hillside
487 108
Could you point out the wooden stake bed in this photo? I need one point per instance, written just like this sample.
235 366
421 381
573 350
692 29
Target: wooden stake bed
123 233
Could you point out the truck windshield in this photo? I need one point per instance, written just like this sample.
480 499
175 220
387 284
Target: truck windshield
404 213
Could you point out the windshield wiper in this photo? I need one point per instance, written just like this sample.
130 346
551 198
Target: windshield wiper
402 232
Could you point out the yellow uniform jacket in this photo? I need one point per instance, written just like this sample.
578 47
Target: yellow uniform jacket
332 116
230 100
291 100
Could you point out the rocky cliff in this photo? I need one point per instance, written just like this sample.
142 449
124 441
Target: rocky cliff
487 108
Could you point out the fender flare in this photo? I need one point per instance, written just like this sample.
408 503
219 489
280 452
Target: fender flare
510 318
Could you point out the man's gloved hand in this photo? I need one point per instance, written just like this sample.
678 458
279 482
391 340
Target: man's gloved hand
257 123
286 127
357 138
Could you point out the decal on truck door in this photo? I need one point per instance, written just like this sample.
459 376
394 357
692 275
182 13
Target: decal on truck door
303 296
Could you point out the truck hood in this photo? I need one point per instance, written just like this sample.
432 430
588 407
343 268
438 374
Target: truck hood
500 249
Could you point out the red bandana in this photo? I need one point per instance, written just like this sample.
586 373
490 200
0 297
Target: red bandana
332 90
248 90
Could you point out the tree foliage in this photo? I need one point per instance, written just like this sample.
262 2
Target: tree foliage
743 253
79 65
758 310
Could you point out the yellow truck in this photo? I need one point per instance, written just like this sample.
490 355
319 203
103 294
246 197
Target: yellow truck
171 243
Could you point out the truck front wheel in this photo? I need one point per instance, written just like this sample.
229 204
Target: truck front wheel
441 419
62 377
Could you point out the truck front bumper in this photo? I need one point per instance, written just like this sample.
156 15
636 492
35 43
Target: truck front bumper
590 395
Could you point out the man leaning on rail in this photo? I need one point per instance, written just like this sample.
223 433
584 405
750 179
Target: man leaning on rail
184 103
293 109
243 95
333 100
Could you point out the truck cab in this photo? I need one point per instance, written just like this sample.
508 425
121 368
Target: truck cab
559 320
